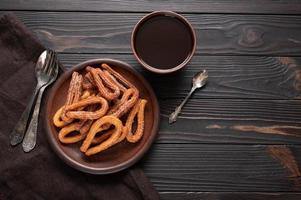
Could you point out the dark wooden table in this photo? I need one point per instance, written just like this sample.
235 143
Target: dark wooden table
238 138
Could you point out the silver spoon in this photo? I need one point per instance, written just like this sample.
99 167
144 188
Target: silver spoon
198 81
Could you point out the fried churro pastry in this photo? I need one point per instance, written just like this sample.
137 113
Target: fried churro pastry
74 93
128 100
139 111
113 80
74 127
79 114
106 87
96 127
86 127
104 136
88 81
86 94
117 76
88 123
96 103
123 135
100 138
57 120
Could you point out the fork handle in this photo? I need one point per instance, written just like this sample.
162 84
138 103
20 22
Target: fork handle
30 138
17 134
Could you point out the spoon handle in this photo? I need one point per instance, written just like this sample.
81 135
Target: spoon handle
173 116
17 134
30 138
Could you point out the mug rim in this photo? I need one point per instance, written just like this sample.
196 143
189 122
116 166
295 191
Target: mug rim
167 13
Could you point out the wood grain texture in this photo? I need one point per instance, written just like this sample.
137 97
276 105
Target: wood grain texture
195 6
229 196
237 109
234 121
223 168
250 77
226 111
285 156
216 34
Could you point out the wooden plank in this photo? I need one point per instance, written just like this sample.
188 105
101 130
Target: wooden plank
216 34
232 121
224 168
230 76
236 109
222 113
224 130
229 195
196 6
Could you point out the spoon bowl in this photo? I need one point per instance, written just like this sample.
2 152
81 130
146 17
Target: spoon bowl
200 79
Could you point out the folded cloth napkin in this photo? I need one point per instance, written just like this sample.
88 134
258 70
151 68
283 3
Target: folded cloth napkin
40 174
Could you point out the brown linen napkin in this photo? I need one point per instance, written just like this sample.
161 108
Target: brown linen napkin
40 174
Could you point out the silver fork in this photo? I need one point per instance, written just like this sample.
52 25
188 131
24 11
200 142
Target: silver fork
30 138
18 132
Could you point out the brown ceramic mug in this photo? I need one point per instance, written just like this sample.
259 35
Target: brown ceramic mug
163 42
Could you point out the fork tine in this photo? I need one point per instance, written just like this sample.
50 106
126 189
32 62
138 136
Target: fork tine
56 70
51 64
43 68
46 62
51 69
48 59
56 67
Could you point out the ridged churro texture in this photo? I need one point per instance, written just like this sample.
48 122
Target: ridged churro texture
100 111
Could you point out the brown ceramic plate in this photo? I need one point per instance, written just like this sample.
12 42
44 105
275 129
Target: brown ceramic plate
120 156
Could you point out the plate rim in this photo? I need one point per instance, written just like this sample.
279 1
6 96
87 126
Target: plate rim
116 168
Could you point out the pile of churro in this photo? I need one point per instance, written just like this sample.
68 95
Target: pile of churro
100 110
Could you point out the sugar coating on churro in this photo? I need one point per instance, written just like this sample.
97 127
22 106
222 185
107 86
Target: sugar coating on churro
96 103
